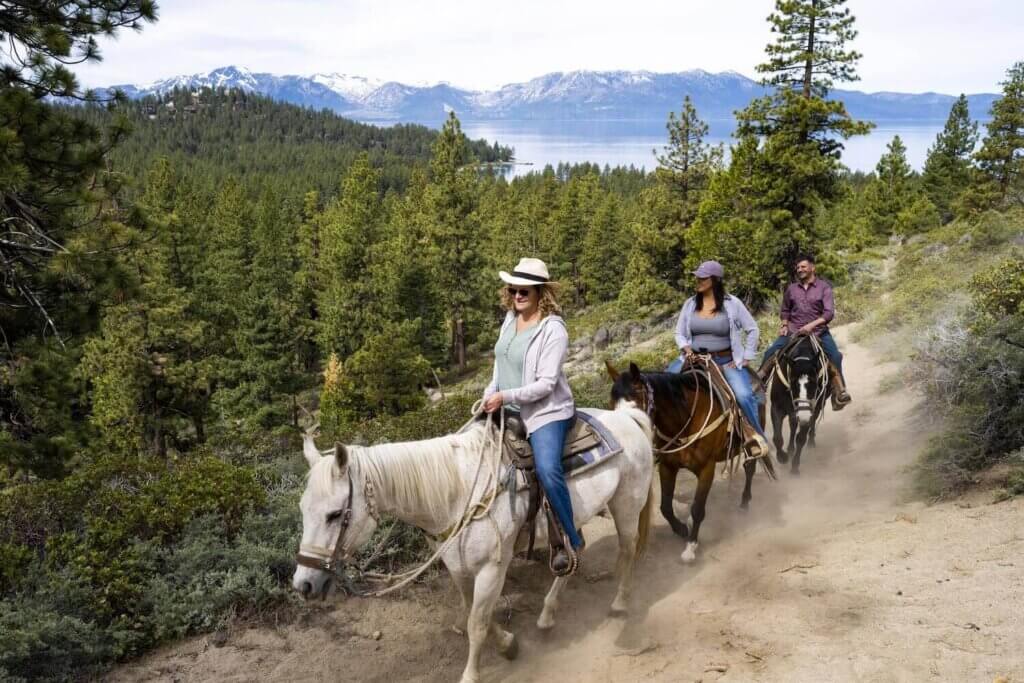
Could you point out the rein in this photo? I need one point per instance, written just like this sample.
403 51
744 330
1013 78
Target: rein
803 403
673 444
332 559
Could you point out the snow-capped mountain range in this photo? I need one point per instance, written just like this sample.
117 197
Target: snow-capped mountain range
559 95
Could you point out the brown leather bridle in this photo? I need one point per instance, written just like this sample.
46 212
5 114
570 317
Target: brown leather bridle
329 559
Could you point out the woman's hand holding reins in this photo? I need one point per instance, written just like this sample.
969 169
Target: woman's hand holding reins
493 402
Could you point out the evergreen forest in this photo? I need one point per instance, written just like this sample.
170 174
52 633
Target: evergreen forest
191 281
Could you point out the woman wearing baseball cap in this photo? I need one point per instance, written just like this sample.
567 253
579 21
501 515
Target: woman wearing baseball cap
528 376
715 323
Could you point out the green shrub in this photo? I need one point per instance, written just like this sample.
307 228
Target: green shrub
127 552
999 290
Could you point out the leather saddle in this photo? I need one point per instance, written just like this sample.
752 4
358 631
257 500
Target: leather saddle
580 437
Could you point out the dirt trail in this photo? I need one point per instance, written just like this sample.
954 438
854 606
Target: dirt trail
831 576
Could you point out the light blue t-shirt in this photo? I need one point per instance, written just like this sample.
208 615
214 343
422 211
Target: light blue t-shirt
509 354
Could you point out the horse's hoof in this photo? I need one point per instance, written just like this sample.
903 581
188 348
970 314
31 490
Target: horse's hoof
510 651
782 458
545 624
618 609
745 505
795 472
689 554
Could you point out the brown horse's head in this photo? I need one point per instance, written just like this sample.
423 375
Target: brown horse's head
627 386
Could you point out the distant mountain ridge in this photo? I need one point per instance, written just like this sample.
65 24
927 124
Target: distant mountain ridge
639 95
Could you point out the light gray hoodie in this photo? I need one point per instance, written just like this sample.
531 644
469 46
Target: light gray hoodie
544 395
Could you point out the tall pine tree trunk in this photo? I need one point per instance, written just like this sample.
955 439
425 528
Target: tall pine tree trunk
809 64
459 339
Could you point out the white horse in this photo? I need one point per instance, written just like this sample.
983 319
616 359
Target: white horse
430 484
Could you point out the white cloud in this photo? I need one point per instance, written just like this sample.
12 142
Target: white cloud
908 45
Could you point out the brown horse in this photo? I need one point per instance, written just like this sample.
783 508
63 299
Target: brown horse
691 431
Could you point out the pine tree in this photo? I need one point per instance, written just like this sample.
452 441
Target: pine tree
570 224
947 168
800 129
641 286
403 282
453 232
683 175
605 252
891 191
688 163
347 230
61 233
999 179
732 226
268 334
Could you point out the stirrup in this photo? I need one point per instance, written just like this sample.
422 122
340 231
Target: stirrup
839 403
756 446
572 561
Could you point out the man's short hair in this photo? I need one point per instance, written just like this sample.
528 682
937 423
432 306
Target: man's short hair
804 257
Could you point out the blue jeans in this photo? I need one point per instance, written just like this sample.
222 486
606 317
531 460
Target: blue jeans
828 344
548 443
739 382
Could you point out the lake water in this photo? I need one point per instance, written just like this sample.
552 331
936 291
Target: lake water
624 143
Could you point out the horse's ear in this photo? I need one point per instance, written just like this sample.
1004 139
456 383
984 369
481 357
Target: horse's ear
310 450
612 372
635 371
340 455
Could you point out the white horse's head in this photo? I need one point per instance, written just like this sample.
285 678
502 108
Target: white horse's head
336 520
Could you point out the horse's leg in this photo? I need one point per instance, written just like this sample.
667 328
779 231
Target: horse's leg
626 513
814 432
667 474
464 584
780 452
748 468
700 499
793 424
547 615
486 591
801 439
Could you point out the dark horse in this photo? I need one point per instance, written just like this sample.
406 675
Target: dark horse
691 431
799 390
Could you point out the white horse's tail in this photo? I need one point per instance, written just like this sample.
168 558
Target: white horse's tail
639 416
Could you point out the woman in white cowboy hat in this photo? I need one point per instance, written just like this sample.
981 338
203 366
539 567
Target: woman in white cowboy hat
528 375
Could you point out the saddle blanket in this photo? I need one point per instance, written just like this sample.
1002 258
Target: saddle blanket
577 463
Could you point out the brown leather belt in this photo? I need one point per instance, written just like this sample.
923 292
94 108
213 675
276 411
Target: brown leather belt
724 353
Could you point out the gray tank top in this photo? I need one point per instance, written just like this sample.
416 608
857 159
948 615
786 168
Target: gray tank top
710 334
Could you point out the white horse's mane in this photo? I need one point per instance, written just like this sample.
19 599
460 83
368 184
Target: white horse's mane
414 477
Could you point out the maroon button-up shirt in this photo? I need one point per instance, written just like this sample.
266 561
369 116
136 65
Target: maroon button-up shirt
801 305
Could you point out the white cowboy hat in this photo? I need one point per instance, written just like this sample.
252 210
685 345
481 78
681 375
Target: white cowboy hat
528 272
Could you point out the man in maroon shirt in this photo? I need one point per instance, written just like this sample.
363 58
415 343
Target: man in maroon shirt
808 306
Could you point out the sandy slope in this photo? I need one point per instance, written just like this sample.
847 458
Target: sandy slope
830 577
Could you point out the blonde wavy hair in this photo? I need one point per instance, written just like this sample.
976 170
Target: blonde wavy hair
548 298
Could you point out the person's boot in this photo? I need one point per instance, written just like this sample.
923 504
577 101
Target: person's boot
753 443
840 397
560 561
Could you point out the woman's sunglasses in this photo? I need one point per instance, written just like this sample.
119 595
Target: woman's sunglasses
515 291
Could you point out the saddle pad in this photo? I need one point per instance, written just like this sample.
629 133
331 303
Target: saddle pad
604 446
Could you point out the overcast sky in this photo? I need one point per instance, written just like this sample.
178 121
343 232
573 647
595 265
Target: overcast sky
948 46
